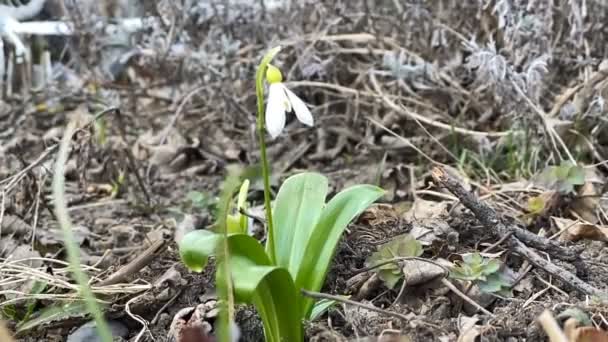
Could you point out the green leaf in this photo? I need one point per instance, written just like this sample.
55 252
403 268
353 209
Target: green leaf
472 259
322 306
403 245
576 313
242 204
321 246
491 266
536 205
389 278
233 224
576 175
37 288
255 280
269 288
564 177
493 284
196 247
561 172
55 313
298 206
564 187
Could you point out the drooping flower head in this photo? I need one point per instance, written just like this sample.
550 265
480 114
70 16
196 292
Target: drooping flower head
280 101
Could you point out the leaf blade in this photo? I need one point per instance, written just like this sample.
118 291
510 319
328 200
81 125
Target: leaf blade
336 215
297 210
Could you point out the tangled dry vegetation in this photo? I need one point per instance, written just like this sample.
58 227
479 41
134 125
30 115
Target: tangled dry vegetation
485 121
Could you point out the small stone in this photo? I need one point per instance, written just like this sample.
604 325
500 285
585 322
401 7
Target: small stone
88 332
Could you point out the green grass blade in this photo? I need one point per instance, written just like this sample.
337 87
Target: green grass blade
54 313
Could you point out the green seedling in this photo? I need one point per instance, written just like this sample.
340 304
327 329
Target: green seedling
237 222
117 184
563 178
484 272
401 246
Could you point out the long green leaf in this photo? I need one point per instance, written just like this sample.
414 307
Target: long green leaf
297 210
269 288
255 280
338 213
54 313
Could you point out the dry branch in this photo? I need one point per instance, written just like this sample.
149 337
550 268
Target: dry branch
520 238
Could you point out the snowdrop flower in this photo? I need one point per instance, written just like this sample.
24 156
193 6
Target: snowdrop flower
280 101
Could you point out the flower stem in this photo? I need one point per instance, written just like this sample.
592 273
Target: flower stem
261 126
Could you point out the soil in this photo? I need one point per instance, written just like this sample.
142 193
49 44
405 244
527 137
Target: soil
181 121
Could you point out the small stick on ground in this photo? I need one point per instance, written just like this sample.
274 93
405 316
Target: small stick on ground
318 295
464 297
134 266
517 242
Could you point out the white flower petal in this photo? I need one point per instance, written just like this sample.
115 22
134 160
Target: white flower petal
300 108
275 109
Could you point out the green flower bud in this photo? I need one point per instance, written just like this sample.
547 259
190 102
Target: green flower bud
273 74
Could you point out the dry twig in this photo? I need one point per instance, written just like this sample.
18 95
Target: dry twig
488 217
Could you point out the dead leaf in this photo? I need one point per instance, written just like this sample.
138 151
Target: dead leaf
416 272
583 334
5 335
590 334
576 230
587 201
14 225
469 330
429 230
423 209
379 214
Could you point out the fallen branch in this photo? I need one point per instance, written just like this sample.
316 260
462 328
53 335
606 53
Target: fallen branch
520 238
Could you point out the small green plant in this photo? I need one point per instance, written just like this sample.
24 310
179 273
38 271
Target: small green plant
563 178
117 184
237 222
307 233
302 235
388 254
484 272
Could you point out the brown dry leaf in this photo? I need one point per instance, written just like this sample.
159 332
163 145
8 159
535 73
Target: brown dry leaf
430 230
416 272
469 330
423 209
583 334
5 335
576 230
379 214
589 334
587 201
